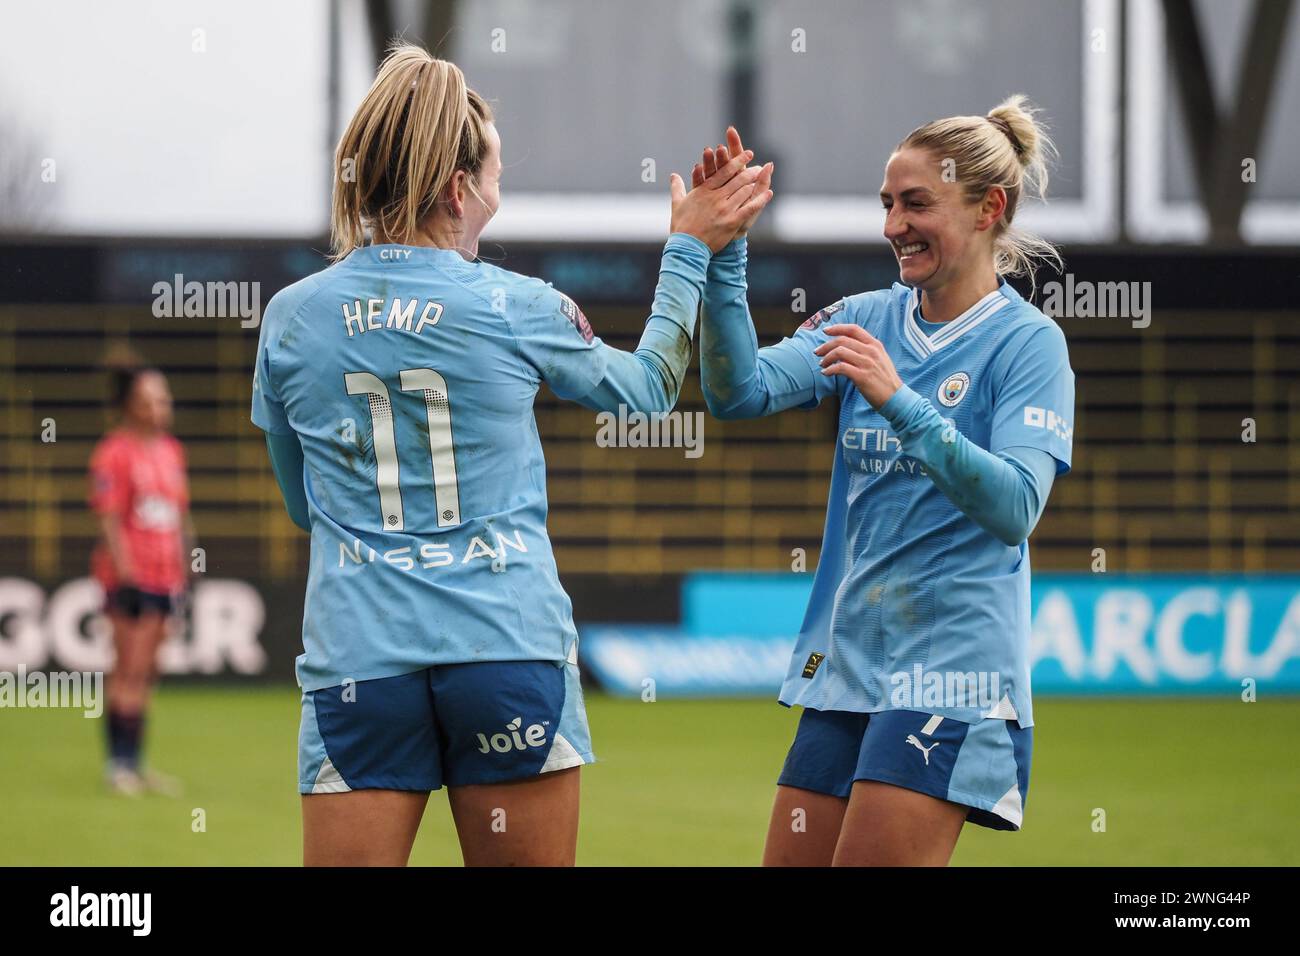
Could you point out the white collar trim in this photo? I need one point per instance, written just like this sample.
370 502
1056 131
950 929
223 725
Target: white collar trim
925 345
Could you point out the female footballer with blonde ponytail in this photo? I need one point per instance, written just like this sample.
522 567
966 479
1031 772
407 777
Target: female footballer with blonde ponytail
396 389
956 403
419 131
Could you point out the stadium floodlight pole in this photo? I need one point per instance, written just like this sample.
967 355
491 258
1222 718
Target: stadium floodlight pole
1121 146
434 27
379 17
439 16
1221 141
1256 85
742 69
332 104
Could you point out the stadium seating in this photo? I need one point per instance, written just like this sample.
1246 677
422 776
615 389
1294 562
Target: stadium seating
1162 477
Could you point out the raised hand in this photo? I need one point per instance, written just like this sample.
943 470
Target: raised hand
721 204
714 159
859 356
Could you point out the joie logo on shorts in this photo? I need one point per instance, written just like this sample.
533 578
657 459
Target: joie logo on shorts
534 736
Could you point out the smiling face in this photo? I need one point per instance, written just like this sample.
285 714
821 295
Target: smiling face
936 233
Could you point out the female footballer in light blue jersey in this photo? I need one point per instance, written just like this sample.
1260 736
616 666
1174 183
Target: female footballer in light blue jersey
396 389
956 402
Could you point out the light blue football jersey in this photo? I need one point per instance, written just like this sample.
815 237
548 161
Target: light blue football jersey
914 606
408 374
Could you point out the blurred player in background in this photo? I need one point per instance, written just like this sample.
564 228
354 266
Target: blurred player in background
139 491
956 398
396 389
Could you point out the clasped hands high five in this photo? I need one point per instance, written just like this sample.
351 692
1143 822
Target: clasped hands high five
727 195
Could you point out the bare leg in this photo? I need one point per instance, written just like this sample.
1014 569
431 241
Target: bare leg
123 682
361 828
804 828
127 695
151 632
887 825
530 822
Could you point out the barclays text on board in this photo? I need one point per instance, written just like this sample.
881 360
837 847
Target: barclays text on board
1165 633
1090 634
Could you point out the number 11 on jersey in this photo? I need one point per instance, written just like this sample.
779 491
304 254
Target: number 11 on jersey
442 453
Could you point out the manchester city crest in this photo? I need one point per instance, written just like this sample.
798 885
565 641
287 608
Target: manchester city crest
953 388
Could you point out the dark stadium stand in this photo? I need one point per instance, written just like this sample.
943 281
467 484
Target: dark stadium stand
1162 478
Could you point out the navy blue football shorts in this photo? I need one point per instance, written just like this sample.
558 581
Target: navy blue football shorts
453 724
984 766
135 603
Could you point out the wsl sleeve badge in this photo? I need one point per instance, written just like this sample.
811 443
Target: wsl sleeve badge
954 388
574 314
822 316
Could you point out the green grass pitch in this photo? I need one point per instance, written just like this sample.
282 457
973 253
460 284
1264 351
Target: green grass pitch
1182 781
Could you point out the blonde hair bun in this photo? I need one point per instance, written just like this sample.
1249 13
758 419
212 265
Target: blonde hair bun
1010 149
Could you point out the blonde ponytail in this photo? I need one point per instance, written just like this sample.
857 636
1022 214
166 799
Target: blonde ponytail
418 124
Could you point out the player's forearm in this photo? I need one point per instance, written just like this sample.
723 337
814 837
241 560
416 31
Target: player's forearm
729 367
286 463
650 378
1003 494
739 379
